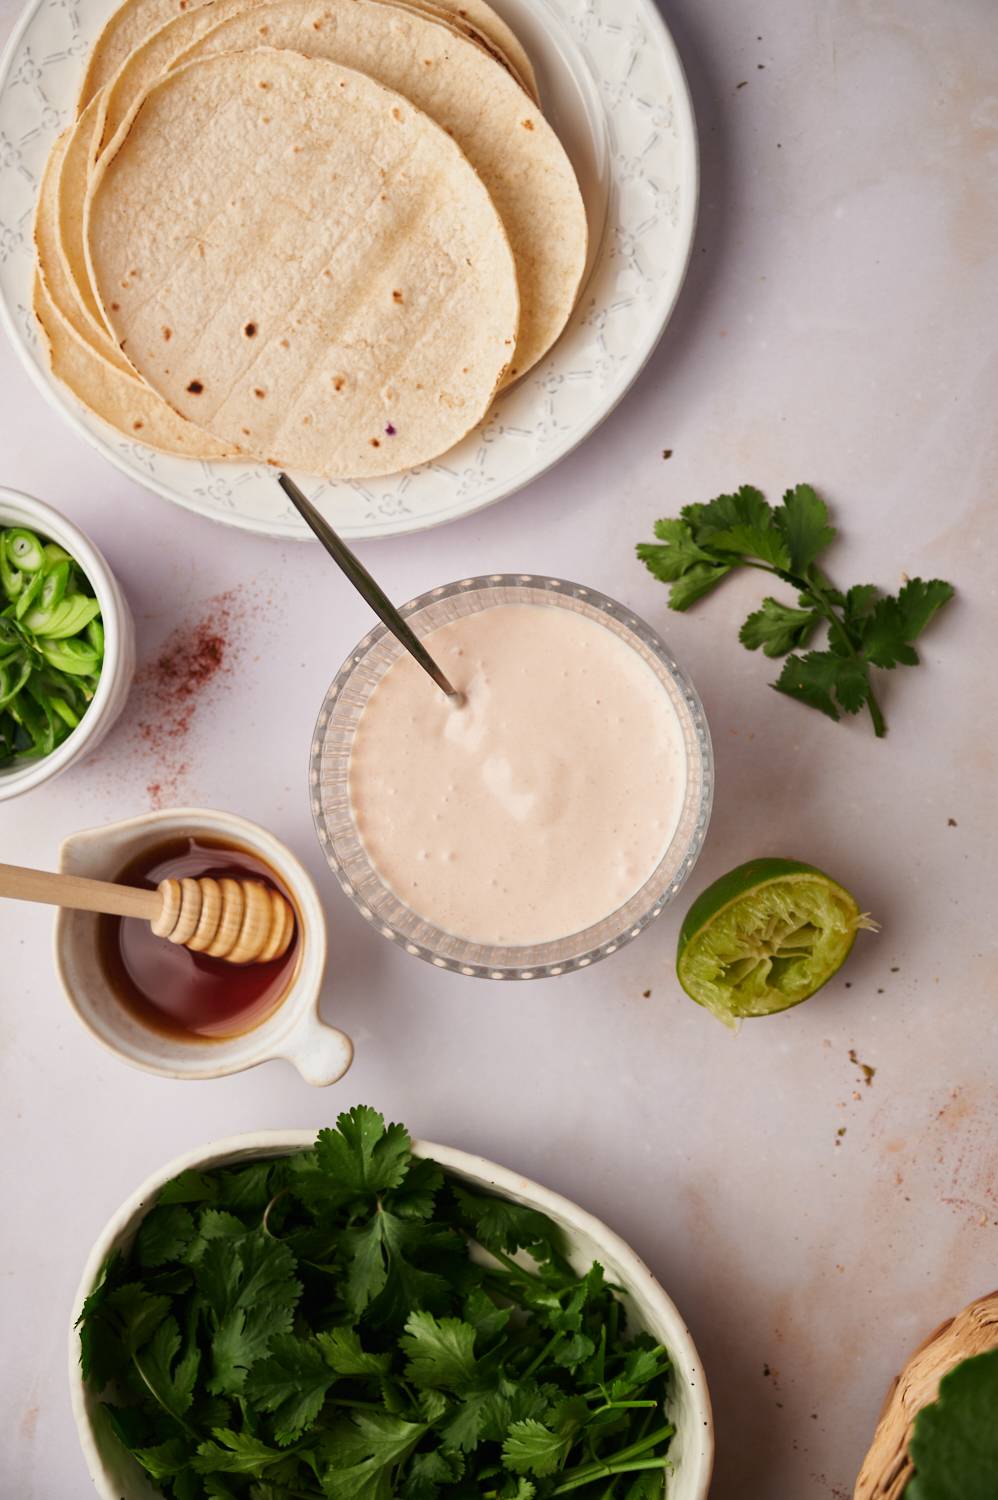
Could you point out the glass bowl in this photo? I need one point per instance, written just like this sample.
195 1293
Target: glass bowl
333 740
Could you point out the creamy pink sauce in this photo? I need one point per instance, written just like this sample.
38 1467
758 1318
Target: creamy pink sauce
543 803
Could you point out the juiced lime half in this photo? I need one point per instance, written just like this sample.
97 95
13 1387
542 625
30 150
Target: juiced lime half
764 937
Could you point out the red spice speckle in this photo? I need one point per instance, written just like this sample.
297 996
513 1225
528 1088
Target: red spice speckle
182 677
391 429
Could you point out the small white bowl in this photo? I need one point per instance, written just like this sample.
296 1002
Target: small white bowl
293 1031
115 1474
17 509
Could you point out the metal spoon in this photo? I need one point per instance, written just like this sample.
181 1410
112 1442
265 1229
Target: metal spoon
366 586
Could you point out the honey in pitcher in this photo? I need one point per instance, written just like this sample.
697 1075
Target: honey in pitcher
167 987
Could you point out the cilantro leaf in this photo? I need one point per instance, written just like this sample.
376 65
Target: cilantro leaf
485 1317
532 1448
245 1188
440 1352
802 520
361 1155
172 1380
696 583
778 628
163 1235
290 1383
954 1445
428 1471
165 1460
895 623
189 1187
342 1352
825 681
414 1197
250 1288
365 1451
499 1224
744 523
641 1367
134 1314
234 1453
383 1279
677 554
858 603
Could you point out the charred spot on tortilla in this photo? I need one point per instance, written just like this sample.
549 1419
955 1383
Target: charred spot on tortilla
167 333
195 387
250 330
258 393
397 296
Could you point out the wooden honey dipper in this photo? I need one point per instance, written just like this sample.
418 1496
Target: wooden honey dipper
242 921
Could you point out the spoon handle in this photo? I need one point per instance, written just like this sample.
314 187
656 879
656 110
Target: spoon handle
365 584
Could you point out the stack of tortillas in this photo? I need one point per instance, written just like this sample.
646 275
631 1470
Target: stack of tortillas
316 233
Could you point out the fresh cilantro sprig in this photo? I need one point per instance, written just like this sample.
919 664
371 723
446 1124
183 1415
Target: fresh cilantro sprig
866 628
351 1323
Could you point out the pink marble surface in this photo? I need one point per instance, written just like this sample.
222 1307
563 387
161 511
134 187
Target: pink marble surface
838 325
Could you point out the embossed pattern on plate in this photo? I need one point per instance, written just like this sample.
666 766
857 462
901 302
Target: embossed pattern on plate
612 85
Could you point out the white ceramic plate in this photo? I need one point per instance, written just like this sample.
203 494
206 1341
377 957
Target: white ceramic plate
116 1476
612 85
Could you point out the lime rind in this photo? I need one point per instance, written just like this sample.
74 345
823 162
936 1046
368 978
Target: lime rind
770 946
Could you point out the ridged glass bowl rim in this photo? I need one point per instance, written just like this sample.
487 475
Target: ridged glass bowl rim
346 854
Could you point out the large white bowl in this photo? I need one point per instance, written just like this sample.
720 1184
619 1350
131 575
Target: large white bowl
117 1477
17 509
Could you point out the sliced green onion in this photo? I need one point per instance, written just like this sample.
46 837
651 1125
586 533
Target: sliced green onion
12 681
95 635
55 554
56 582
11 579
69 617
24 550
65 712
36 582
75 657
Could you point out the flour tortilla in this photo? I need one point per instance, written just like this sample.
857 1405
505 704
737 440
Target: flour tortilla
506 138
157 53
125 29
303 264
114 395
59 287
72 182
82 353
136 21
482 16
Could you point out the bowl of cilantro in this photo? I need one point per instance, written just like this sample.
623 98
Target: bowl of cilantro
67 650
362 1316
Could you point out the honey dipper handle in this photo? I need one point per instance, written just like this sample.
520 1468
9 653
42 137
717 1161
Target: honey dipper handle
78 893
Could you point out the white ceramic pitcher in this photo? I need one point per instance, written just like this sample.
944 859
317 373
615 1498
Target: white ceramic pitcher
294 1031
